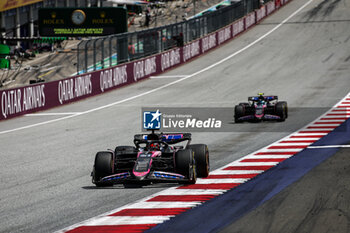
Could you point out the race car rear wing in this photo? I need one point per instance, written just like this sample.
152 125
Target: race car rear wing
170 138
268 98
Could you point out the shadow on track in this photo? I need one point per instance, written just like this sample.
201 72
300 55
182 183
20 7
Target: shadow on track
132 186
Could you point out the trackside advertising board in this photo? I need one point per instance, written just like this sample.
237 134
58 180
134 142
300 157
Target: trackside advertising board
77 22
29 99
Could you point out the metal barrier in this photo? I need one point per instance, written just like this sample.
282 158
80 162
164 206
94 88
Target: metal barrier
104 52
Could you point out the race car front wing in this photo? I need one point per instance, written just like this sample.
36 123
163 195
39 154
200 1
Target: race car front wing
156 176
265 117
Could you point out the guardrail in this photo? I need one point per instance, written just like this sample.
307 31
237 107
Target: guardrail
29 99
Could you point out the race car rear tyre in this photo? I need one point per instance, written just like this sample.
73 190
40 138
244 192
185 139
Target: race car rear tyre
103 167
201 156
281 111
246 105
247 109
286 108
239 112
185 165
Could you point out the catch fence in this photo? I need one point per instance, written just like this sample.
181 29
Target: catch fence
104 52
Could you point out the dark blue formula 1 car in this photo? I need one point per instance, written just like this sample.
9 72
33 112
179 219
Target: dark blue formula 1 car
154 158
261 108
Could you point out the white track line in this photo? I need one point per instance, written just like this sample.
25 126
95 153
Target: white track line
161 204
52 114
166 85
233 172
176 191
127 220
221 181
168 76
266 157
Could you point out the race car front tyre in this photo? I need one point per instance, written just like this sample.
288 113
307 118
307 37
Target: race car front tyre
239 112
103 167
201 157
185 165
281 110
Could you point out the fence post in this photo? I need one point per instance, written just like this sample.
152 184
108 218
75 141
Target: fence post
122 49
94 52
110 51
86 55
78 60
103 53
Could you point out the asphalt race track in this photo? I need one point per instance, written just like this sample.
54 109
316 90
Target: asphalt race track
319 202
45 182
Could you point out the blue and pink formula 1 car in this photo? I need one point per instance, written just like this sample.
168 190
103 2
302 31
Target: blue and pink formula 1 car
153 159
261 108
